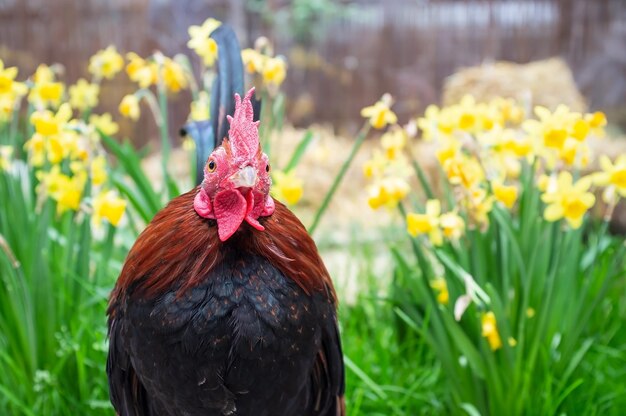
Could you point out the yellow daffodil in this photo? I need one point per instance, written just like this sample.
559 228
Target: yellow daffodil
613 177
467 118
441 287
7 78
173 75
479 204
106 63
48 124
274 71
84 95
464 171
427 223
437 122
11 92
490 330
376 166
140 71
65 190
36 148
569 200
506 194
552 129
45 91
287 187
597 122
200 108
6 153
253 60
452 225
387 192
107 205
509 110
379 114
201 42
98 170
393 142
104 123
129 107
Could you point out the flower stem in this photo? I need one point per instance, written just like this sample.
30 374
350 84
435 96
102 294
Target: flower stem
164 130
342 172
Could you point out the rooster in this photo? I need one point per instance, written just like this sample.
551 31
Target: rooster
224 306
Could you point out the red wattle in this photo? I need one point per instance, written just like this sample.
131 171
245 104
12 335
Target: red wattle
230 209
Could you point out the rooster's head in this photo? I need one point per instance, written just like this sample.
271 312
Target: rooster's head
237 181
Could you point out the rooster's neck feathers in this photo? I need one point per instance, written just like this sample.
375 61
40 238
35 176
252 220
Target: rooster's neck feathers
179 248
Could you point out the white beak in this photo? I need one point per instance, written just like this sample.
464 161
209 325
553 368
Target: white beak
244 178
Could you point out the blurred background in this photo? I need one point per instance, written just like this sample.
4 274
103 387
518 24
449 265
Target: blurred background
344 55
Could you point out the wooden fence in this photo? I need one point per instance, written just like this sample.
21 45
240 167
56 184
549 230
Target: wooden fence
406 47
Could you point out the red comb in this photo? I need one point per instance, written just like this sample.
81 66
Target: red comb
243 134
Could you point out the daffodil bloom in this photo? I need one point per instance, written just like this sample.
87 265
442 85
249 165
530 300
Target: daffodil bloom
6 152
427 223
65 190
287 187
106 63
613 177
506 194
274 71
200 108
448 151
467 115
441 287
7 78
104 123
98 170
452 225
569 200
140 71
174 76
201 42
36 148
393 142
388 192
84 95
479 204
490 330
597 122
48 124
253 60
129 107
107 205
552 129
464 171
379 114
436 122
45 91
375 167
509 110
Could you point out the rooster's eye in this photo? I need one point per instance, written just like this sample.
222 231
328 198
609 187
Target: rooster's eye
267 167
211 166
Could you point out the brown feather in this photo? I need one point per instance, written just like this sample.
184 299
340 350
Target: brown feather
179 247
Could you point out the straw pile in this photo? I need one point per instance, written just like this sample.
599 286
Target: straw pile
548 83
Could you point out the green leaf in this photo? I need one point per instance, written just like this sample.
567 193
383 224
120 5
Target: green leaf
299 151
